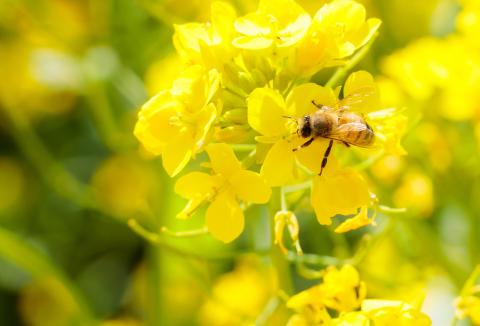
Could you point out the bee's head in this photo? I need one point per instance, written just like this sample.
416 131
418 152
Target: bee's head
304 127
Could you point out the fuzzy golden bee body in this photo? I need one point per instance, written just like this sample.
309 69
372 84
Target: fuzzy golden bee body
339 124
344 126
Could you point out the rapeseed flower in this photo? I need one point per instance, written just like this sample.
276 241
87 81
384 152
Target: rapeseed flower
467 304
240 78
228 184
343 291
227 304
175 122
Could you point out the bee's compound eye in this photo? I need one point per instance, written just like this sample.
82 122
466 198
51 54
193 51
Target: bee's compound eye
305 129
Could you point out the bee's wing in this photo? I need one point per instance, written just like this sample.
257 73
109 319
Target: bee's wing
363 96
351 133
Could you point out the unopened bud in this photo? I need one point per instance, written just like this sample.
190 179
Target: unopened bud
288 219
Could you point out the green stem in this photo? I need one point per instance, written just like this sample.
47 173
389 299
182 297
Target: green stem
39 266
52 173
278 259
185 234
105 123
158 241
243 147
341 72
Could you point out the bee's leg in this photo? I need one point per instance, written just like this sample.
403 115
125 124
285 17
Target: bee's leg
325 156
346 144
305 144
317 105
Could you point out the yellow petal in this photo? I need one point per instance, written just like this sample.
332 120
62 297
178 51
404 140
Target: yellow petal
225 220
178 152
285 12
294 31
341 15
186 40
311 156
299 101
194 184
265 112
365 32
205 119
342 192
223 159
356 222
153 128
254 24
252 43
250 187
277 168
223 16
360 92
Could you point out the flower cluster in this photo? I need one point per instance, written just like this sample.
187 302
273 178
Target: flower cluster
344 293
245 83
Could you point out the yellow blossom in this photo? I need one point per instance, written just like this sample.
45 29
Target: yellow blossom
340 290
123 185
468 303
175 123
266 114
342 192
355 318
207 43
337 30
468 306
275 23
229 184
416 193
387 312
228 305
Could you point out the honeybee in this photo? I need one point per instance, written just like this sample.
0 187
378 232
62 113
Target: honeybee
337 124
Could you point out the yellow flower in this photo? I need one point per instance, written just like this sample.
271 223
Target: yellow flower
426 71
345 21
343 291
122 186
415 193
207 43
175 123
387 312
356 318
339 192
239 296
340 290
468 21
275 23
338 29
468 303
468 306
266 115
229 184
309 308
